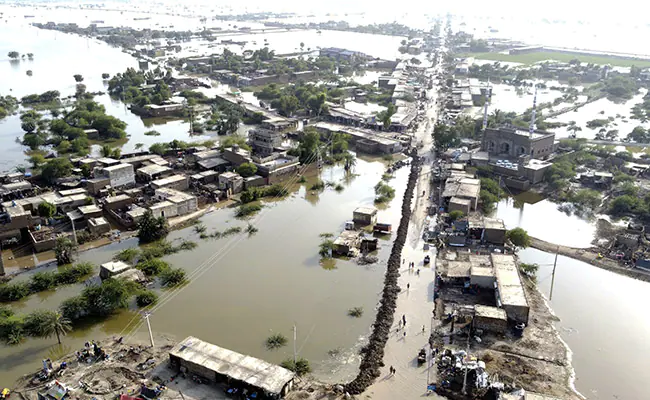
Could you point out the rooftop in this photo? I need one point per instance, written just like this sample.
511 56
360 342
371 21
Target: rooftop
89 209
458 269
169 180
153 169
116 266
253 371
490 312
175 196
366 210
511 291
115 199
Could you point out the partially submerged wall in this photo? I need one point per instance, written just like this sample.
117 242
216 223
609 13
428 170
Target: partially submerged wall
373 353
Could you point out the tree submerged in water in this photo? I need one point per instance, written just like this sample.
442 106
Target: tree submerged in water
151 228
276 341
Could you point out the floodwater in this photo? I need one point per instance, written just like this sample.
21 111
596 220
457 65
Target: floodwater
603 319
603 109
542 219
245 288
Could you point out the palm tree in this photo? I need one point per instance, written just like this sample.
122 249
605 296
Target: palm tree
350 161
55 324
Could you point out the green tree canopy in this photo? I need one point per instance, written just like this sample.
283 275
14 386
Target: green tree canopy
46 209
64 250
519 237
151 228
247 169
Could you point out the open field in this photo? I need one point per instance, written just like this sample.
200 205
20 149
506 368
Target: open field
534 57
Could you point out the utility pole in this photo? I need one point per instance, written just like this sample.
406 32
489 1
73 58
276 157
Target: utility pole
295 355
2 265
469 337
74 231
146 317
550 296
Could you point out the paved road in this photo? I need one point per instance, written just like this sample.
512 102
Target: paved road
416 302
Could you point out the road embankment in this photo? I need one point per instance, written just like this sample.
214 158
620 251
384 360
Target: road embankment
590 256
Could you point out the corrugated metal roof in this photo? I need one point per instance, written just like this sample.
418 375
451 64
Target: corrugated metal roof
253 371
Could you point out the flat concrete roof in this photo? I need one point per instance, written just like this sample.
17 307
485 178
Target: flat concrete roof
116 266
253 371
89 209
490 312
458 200
511 290
169 180
153 169
458 269
173 195
118 198
365 210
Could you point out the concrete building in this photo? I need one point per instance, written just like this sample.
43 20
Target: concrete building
346 243
264 141
173 203
512 142
98 226
460 204
342 54
90 211
119 175
117 202
481 271
113 268
461 188
178 182
365 215
276 166
218 365
236 155
232 182
152 172
510 294
491 319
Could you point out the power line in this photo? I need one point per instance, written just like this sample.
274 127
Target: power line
217 256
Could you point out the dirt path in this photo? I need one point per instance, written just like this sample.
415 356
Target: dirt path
591 257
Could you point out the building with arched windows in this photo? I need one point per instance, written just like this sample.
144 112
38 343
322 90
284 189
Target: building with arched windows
514 142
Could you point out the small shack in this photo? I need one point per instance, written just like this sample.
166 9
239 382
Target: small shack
491 319
98 226
222 365
365 215
458 272
458 204
113 268
346 243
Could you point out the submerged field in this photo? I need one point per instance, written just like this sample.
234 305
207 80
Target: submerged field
534 57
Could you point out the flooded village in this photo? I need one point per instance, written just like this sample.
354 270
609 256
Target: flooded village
210 204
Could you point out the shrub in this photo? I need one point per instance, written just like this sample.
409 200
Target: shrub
74 308
128 255
300 366
14 291
384 192
325 248
153 267
276 341
455 215
173 277
146 298
320 185
247 209
355 312
42 281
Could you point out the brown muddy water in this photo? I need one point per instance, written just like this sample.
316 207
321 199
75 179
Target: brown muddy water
255 285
